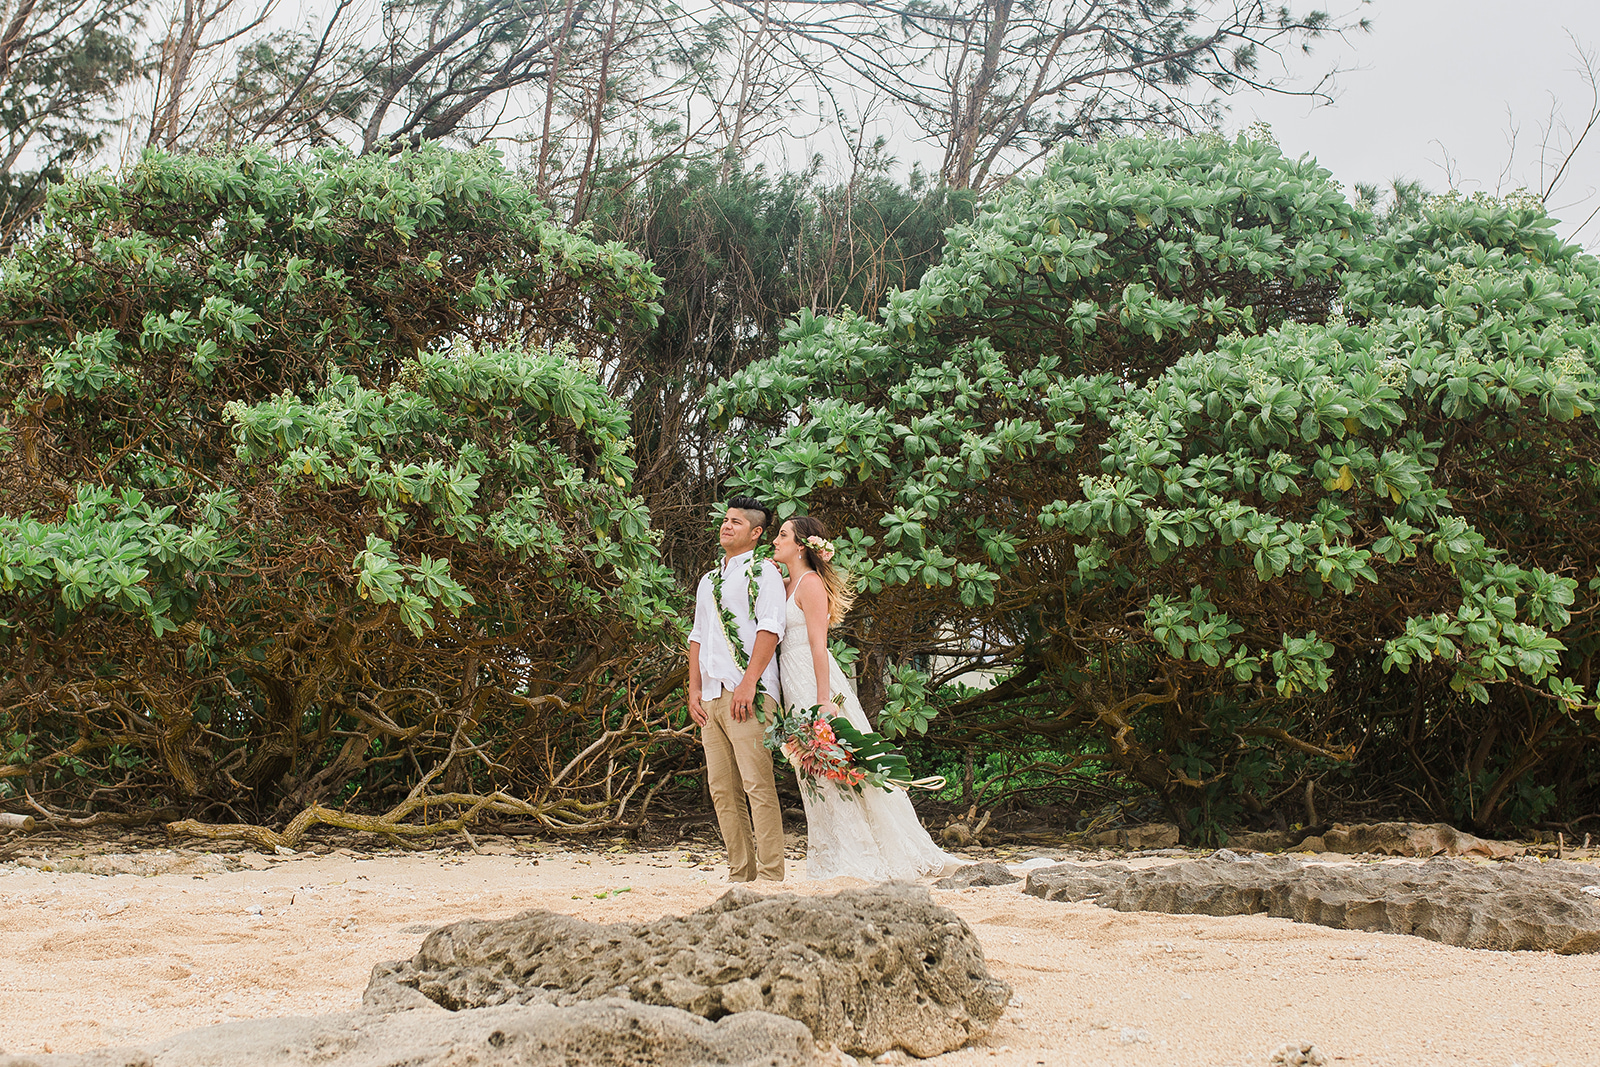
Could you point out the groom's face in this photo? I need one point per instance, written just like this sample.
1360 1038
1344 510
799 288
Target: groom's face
738 533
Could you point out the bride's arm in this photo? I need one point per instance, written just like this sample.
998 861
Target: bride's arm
813 601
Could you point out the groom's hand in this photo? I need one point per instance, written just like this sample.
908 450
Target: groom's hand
696 712
744 699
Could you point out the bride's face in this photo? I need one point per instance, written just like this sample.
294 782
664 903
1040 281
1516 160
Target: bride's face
785 549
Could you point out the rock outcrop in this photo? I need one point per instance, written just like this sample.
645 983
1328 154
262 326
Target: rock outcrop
144 864
865 970
1379 838
601 1033
977 874
1137 838
1406 839
1539 906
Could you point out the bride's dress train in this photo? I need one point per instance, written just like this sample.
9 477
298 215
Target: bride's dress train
874 834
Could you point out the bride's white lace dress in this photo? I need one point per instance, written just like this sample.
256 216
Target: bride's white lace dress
874 834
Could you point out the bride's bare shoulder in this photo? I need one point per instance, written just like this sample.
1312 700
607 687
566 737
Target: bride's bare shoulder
810 593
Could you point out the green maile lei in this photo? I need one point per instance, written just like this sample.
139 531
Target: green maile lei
885 766
730 625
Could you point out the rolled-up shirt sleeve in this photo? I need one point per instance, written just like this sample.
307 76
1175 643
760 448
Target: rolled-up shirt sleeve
771 603
702 604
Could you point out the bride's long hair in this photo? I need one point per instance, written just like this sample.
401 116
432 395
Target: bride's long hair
836 580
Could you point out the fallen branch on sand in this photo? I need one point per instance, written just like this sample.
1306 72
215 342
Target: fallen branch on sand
563 816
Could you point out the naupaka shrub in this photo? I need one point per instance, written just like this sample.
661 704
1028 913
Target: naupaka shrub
1224 490
310 491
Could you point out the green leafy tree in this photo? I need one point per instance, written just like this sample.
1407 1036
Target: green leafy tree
740 252
309 489
62 64
1217 482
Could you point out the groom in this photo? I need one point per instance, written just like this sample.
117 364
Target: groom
726 682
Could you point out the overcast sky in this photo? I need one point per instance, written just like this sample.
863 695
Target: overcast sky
1447 79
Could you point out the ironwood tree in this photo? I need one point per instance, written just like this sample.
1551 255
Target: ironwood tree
740 253
62 64
996 85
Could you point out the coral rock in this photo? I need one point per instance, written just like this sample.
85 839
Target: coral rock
865 970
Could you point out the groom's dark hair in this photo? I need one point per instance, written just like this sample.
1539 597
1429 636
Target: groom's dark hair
750 503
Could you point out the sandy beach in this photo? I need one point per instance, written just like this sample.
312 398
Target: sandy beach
185 938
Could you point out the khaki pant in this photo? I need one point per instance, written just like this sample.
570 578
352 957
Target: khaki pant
739 767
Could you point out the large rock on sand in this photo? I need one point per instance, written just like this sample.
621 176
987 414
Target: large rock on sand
866 970
1458 902
1406 839
1421 839
977 874
602 1033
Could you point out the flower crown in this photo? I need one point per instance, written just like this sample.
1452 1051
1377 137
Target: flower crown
821 547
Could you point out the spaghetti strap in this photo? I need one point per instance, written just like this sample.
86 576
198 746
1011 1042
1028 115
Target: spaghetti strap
802 578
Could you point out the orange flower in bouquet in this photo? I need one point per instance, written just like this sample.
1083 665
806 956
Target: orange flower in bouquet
814 749
826 748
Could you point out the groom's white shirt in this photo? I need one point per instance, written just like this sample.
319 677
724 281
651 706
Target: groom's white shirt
717 668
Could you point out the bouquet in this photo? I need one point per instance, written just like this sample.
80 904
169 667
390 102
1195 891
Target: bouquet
828 748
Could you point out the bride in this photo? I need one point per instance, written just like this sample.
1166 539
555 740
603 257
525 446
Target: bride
873 834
